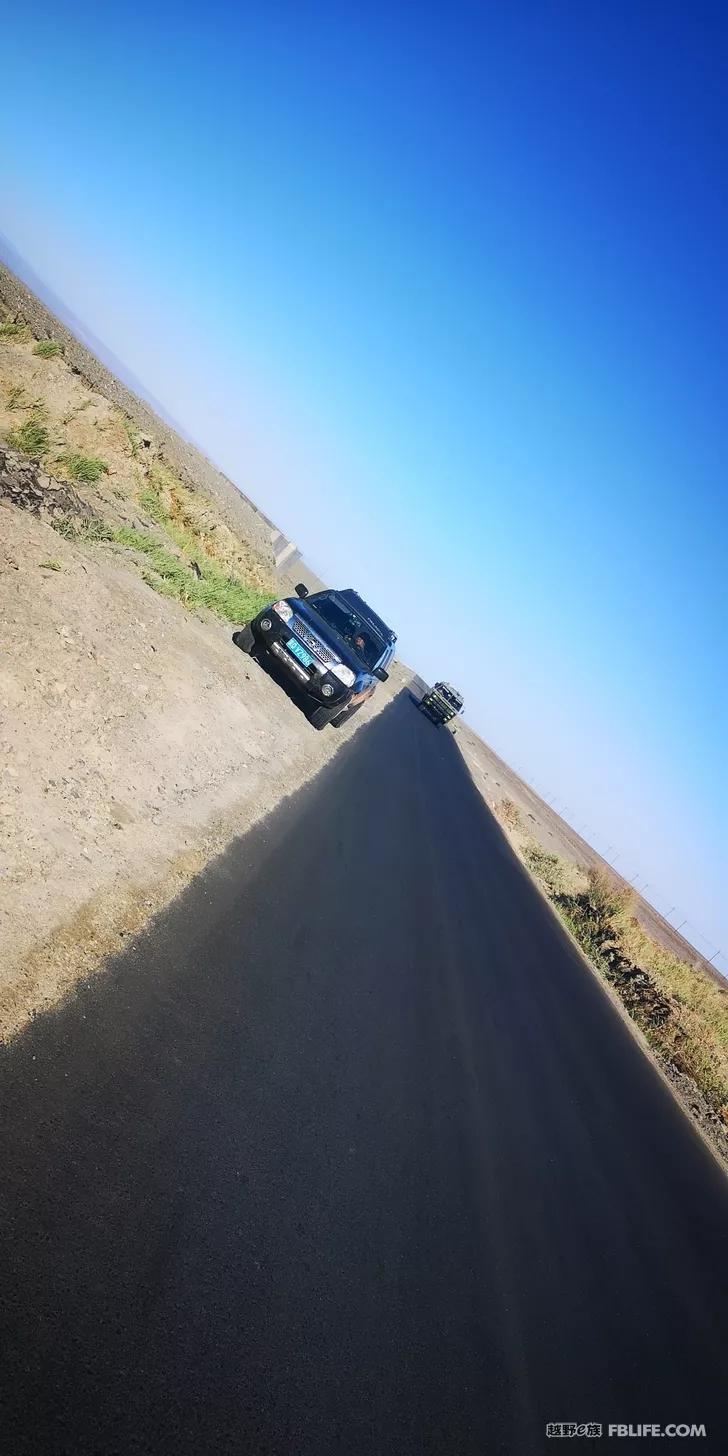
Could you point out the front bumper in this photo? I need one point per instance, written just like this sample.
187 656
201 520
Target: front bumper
318 682
436 714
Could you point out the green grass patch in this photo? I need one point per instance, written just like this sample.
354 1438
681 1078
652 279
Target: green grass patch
30 438
132 437
79 528
47 349
195 528
152 506
229 597
547 868
182 530
13 331
165 501
50 565
87 469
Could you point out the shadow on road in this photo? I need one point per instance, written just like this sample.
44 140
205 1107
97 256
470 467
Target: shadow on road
348 1153
98 1099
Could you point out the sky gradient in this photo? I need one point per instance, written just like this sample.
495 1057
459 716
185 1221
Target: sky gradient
444 290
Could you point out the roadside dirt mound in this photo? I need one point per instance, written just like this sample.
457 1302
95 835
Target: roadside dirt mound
51 416
98 389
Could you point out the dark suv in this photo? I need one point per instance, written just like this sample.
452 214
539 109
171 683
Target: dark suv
331 644
441 703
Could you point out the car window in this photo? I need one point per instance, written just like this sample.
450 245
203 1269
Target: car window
350 627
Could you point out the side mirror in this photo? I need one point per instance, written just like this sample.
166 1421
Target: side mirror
381 673
301 590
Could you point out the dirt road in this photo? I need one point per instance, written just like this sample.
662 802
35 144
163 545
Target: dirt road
350 1153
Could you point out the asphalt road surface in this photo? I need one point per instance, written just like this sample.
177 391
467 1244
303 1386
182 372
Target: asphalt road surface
351 1154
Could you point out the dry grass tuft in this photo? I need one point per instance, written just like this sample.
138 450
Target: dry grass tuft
47 349
509 813
682 1012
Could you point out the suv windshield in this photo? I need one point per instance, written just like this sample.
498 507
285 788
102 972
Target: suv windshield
358 635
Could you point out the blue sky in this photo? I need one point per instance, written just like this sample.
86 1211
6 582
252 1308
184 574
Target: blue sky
444 290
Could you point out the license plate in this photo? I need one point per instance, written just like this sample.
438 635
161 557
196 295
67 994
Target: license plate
296 650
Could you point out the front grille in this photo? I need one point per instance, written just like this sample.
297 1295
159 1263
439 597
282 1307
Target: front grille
312 642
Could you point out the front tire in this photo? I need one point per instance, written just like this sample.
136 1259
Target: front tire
319 718
344 716
245 640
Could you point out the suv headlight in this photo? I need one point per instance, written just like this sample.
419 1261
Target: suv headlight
283 610
344 674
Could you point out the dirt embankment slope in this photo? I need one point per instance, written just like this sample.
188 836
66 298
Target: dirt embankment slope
193 467
497 782
135 740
